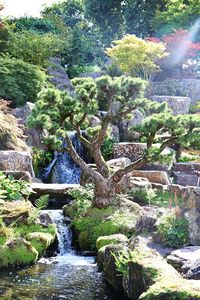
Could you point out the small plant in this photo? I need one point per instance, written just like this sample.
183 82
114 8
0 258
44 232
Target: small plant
83 197
173 230
123 257
11 189
40 203
142 195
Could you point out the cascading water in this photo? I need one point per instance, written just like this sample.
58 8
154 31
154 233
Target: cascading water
66 276
63 169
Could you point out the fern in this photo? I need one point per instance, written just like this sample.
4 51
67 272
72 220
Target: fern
42 202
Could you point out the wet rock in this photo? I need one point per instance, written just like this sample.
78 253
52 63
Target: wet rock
11 160
178 105
191 269
45 219
111 239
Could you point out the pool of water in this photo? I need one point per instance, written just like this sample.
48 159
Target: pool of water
70 277
66 276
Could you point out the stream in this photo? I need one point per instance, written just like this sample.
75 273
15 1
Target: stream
64 276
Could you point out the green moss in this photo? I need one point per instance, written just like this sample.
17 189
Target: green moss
111 239
17 252
24 229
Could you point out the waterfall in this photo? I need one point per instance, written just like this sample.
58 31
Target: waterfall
63 169
64 234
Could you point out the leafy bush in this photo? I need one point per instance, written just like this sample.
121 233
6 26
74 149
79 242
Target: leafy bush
20 81
11 189
173 231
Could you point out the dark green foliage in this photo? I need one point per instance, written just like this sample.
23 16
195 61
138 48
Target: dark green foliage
37 25
173 231
4 37
20 81
11 189
107 148
40 159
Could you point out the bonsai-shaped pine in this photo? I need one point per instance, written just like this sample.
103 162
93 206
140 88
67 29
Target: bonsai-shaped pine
58 113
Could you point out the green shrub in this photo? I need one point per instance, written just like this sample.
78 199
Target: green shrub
173 231
19 81
33 48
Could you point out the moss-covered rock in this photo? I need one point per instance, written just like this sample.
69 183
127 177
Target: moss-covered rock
28 240
106 262
15 211
40 241
120 218
111 239
17 252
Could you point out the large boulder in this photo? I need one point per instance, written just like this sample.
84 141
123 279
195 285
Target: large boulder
179 105
186 174
191 209
11 134
11 160
106 262
15 212
153 176
34 136
58 75
126 131
119 162
133 151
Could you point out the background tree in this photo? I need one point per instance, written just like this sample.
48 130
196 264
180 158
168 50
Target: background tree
177 14
136 56
139 16
58 113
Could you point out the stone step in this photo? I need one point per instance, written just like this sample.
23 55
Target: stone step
54 189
